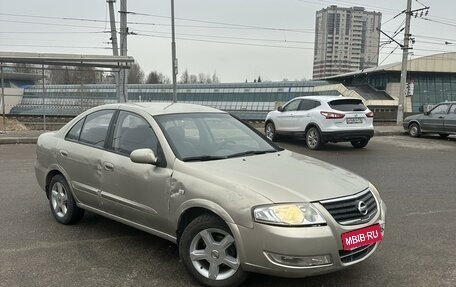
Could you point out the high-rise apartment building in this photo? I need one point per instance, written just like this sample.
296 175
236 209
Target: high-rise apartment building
346 40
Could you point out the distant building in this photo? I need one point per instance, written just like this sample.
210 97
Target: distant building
346 40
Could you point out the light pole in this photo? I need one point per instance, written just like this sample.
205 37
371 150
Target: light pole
173 51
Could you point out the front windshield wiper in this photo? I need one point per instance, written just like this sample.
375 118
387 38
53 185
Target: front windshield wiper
251 152
203 158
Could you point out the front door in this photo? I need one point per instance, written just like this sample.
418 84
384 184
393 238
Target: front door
133 191
286 120
450 120
433 122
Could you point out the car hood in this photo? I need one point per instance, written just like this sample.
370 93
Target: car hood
413 117
280 177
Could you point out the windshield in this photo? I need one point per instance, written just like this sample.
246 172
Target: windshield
211 136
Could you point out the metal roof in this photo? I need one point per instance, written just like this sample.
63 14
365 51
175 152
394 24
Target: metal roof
437 63
67 59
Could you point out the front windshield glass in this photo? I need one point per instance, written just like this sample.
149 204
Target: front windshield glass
211 136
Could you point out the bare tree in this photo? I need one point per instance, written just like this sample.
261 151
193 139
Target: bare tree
136 74
193 79
185 78
155 78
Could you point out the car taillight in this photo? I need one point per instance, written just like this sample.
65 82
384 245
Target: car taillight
331 115
370 114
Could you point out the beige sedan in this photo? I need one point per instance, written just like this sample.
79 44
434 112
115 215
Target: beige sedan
232 200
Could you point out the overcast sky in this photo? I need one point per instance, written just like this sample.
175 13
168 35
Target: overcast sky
270 38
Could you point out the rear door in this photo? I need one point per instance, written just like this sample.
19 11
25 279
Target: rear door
303 115
450 120
434 121
81 153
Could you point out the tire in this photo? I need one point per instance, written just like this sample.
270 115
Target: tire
359 143
270 131
205 246
443 135
414 130
62 203
313 138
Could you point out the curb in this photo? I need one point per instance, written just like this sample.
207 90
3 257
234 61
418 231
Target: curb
18 140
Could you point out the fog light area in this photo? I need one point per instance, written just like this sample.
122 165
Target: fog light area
299 261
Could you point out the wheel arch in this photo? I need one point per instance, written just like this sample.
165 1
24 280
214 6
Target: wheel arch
310 125
193 209
53 171
414 122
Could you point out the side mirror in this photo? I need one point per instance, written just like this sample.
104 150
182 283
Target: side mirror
280 108
143 155
426 113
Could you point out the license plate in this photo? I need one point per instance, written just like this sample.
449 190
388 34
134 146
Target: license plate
361 237
354 121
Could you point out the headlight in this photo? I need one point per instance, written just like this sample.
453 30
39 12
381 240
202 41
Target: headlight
375 192
296 214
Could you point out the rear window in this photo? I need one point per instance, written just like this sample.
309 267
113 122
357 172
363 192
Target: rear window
347 105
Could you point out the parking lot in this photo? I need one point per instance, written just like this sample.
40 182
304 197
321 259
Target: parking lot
416 177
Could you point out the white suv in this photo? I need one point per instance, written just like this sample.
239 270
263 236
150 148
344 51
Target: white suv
322 119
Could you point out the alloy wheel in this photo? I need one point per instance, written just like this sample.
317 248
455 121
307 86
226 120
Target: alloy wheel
59 199
213 254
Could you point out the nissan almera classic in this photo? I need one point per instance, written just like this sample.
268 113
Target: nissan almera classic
231 200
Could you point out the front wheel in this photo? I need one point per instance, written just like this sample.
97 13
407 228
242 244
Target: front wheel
270 131
313 138
414 130
63 205
208 251
359 143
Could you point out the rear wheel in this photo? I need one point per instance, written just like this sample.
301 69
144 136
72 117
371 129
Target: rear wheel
63 205
313 138
359 143
270 131
443 135
208 251
414 130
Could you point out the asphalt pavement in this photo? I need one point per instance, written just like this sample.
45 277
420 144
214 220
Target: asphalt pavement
416 177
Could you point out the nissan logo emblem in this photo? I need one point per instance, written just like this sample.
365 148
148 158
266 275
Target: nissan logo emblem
362 207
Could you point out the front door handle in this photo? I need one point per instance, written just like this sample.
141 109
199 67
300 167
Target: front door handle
63 153
441 117
108 166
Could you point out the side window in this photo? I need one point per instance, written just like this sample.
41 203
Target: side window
308 105
133 132
453 109
292 106
439 110
96 127
74 132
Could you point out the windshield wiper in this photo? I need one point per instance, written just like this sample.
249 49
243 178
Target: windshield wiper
203 158
251 152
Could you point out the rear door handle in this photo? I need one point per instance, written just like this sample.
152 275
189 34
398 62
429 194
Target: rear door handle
63 153
108 166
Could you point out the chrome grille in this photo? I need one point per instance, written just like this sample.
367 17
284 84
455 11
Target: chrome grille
347 256
347 211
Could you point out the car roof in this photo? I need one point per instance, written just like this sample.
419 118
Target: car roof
160 108
327 98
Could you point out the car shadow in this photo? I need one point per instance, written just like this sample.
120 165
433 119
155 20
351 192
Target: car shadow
291 143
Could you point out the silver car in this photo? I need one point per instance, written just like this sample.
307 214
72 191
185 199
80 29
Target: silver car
232 200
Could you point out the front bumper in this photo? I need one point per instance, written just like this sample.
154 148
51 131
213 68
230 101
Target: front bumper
349 135
256 243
